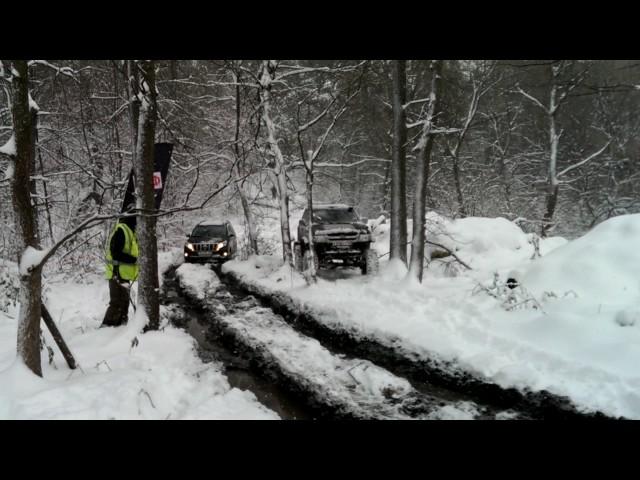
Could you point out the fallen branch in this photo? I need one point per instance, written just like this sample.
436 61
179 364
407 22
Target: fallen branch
450 253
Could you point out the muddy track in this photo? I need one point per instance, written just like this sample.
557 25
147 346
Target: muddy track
241 367
439 378
320 400
255 369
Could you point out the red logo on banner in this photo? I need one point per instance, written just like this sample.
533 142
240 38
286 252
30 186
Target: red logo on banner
157 181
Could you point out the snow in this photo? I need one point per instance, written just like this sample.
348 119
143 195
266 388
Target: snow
459 411
32 104
159 378
599 267
9 148
355 384
200 281
30 258
572 326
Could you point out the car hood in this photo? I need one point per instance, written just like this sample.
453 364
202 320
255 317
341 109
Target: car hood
340 227
205 239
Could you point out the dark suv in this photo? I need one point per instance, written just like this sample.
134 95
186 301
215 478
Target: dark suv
340 239
211 242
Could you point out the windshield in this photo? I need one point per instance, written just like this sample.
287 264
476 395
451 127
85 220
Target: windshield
209 231
334 215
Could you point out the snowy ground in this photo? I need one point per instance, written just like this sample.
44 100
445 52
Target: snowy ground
347 384
572 327
160 378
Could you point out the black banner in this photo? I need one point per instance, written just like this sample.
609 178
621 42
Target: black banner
161 160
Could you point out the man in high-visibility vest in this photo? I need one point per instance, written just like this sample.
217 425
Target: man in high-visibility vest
121 270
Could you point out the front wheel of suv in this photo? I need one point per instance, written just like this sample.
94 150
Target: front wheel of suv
297 257
306 258
370 266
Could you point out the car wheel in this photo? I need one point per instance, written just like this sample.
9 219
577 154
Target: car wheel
370 266
307 257
297 257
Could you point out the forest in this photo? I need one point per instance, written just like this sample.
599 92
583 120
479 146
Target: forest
549 145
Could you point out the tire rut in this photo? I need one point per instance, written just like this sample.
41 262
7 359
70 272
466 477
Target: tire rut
440 379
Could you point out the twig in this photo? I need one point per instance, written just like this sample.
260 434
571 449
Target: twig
105 362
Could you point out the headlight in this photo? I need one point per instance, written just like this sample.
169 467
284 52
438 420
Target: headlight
220 245
190 247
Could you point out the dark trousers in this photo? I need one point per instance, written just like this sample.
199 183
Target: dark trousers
118 310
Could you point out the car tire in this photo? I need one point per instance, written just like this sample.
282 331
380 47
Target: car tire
297 257
307 257
371 264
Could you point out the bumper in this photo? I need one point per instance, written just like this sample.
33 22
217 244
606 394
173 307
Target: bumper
200 257
329 254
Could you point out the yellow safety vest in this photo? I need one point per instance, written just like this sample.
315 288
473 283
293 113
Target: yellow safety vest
127 271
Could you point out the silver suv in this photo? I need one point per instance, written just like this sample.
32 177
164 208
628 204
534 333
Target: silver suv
340 239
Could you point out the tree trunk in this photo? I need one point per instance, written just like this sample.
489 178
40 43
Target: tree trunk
133 88
416 263
266 78
462 211
148 284
249 220
312 254
398 237
24 127
246 208
551 198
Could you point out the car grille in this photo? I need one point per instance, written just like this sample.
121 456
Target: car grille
343 236
206 247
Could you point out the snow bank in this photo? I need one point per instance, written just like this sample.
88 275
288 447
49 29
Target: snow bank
485 244
160 377
583 345
601 267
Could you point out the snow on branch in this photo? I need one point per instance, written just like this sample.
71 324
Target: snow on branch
353 164
449 252
582 162
295 70
421 100
533 99
67 71
9 148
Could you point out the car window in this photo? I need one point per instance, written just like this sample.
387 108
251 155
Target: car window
334 215
209 231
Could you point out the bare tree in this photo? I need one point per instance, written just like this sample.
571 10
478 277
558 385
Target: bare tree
266 79
480 84
558 95
148 298
240 157
21 151
424 146
398 235
308 158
